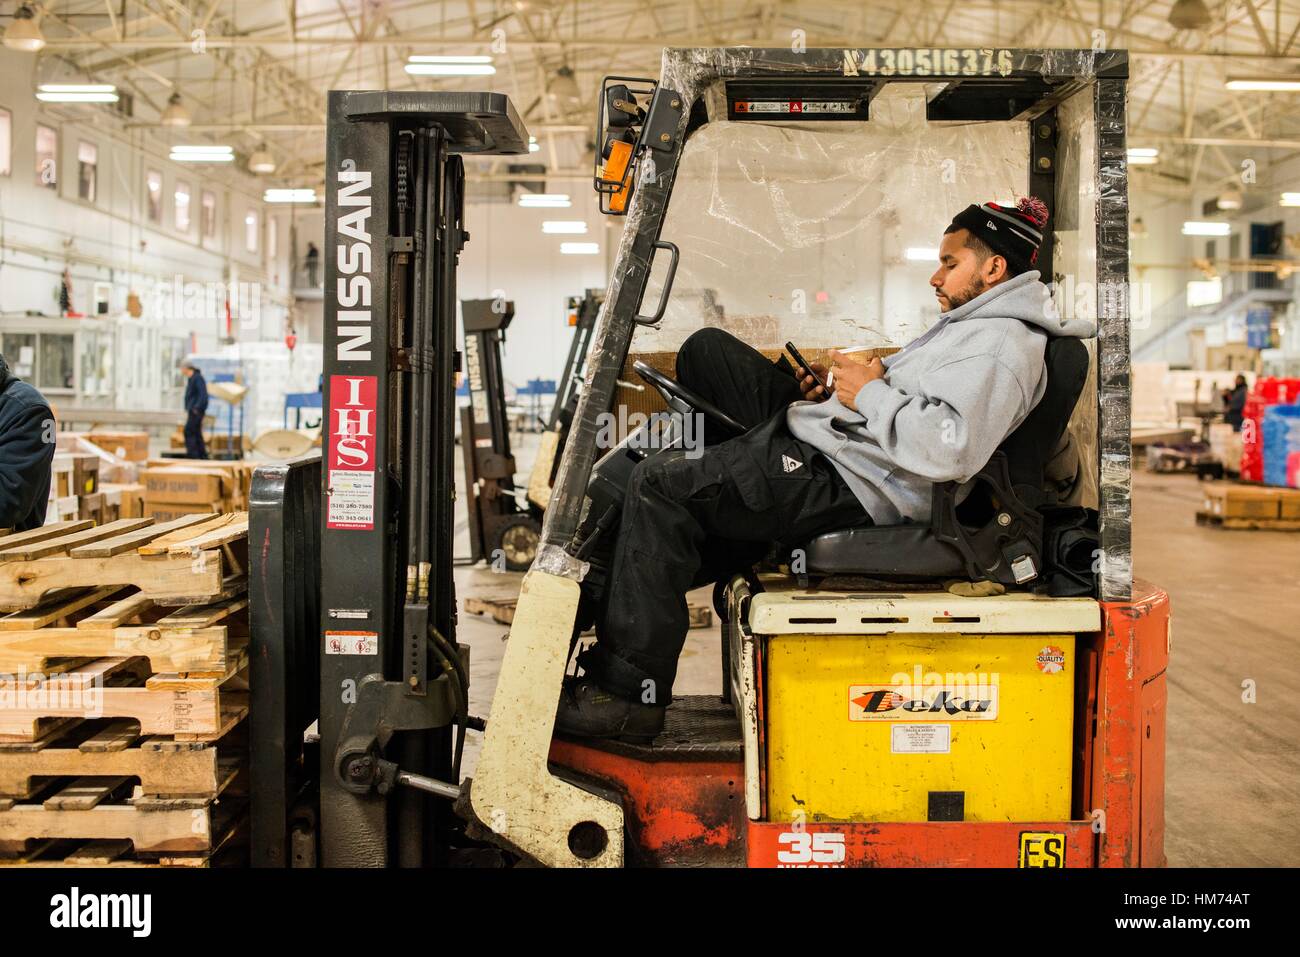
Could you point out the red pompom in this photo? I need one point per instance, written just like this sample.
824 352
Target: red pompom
1035 209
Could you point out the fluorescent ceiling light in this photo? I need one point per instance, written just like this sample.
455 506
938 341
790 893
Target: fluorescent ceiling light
533 145
427 58
579 249
1143 156
544 200
421 65
1262 84
1290 199
1192 228
922 254
304 195
572 226
195 154
77 93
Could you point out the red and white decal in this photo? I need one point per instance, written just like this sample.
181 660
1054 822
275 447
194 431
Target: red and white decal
352 449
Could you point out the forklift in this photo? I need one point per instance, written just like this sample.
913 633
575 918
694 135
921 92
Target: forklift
501 530
582 312
818 750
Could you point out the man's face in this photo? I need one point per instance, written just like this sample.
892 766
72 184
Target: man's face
960 276
187 371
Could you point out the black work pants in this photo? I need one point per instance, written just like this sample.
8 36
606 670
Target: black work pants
692 518
194 447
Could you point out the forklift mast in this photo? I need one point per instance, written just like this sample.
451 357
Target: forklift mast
393 682
498 526
583 312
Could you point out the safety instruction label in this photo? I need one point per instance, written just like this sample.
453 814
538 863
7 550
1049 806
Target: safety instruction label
352 499
920 739
353 447
351 643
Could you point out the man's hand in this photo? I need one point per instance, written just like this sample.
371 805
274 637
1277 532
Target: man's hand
851 376
808 385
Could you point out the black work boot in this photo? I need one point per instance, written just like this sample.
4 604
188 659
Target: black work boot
588 710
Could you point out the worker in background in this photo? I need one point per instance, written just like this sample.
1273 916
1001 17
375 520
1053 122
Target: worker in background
196 406
934 412
313 263
27 435
1234 404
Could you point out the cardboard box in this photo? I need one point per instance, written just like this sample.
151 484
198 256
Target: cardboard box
183 484
1289 503
166 511
133 446
85 474
1242 501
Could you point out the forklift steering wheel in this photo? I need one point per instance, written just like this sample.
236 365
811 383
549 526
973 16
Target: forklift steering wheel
682 400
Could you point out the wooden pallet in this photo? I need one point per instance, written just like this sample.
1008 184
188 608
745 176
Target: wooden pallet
107 823
106 622
192 559
1259 524
189 705
501 609
163 766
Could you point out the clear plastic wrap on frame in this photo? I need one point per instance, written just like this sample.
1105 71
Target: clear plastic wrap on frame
823 233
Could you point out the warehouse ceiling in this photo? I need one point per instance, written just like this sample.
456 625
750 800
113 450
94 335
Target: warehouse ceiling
256 73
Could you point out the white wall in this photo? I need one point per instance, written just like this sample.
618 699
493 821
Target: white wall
508 252
111 239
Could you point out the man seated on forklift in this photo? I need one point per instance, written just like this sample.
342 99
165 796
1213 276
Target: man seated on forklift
935 411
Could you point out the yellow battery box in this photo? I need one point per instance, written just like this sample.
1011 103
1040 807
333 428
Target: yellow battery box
919 727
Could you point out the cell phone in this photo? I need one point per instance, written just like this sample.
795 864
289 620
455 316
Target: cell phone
804 364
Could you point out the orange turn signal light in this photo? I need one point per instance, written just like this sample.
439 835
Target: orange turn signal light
620 155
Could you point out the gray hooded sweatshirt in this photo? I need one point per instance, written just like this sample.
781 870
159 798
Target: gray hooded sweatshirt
948 400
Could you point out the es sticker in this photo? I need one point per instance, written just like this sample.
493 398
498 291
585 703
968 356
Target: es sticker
1042 849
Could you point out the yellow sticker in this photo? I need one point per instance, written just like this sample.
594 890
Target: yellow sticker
1042 849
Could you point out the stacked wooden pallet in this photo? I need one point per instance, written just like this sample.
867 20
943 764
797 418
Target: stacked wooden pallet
123 692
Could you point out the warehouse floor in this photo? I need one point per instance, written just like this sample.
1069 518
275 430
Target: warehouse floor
1233 769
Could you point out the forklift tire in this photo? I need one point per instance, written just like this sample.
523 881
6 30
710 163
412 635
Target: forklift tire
517 539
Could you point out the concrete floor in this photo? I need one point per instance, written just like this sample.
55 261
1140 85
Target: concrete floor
1232 779
1233 769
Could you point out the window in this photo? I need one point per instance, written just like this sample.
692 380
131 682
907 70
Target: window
57 361
19 350
47 156
182 198
6 142
208 215
251 229
153 195
87 164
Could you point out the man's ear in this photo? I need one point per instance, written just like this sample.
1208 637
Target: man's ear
995 269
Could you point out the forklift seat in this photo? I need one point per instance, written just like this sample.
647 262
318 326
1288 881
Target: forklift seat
996 531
